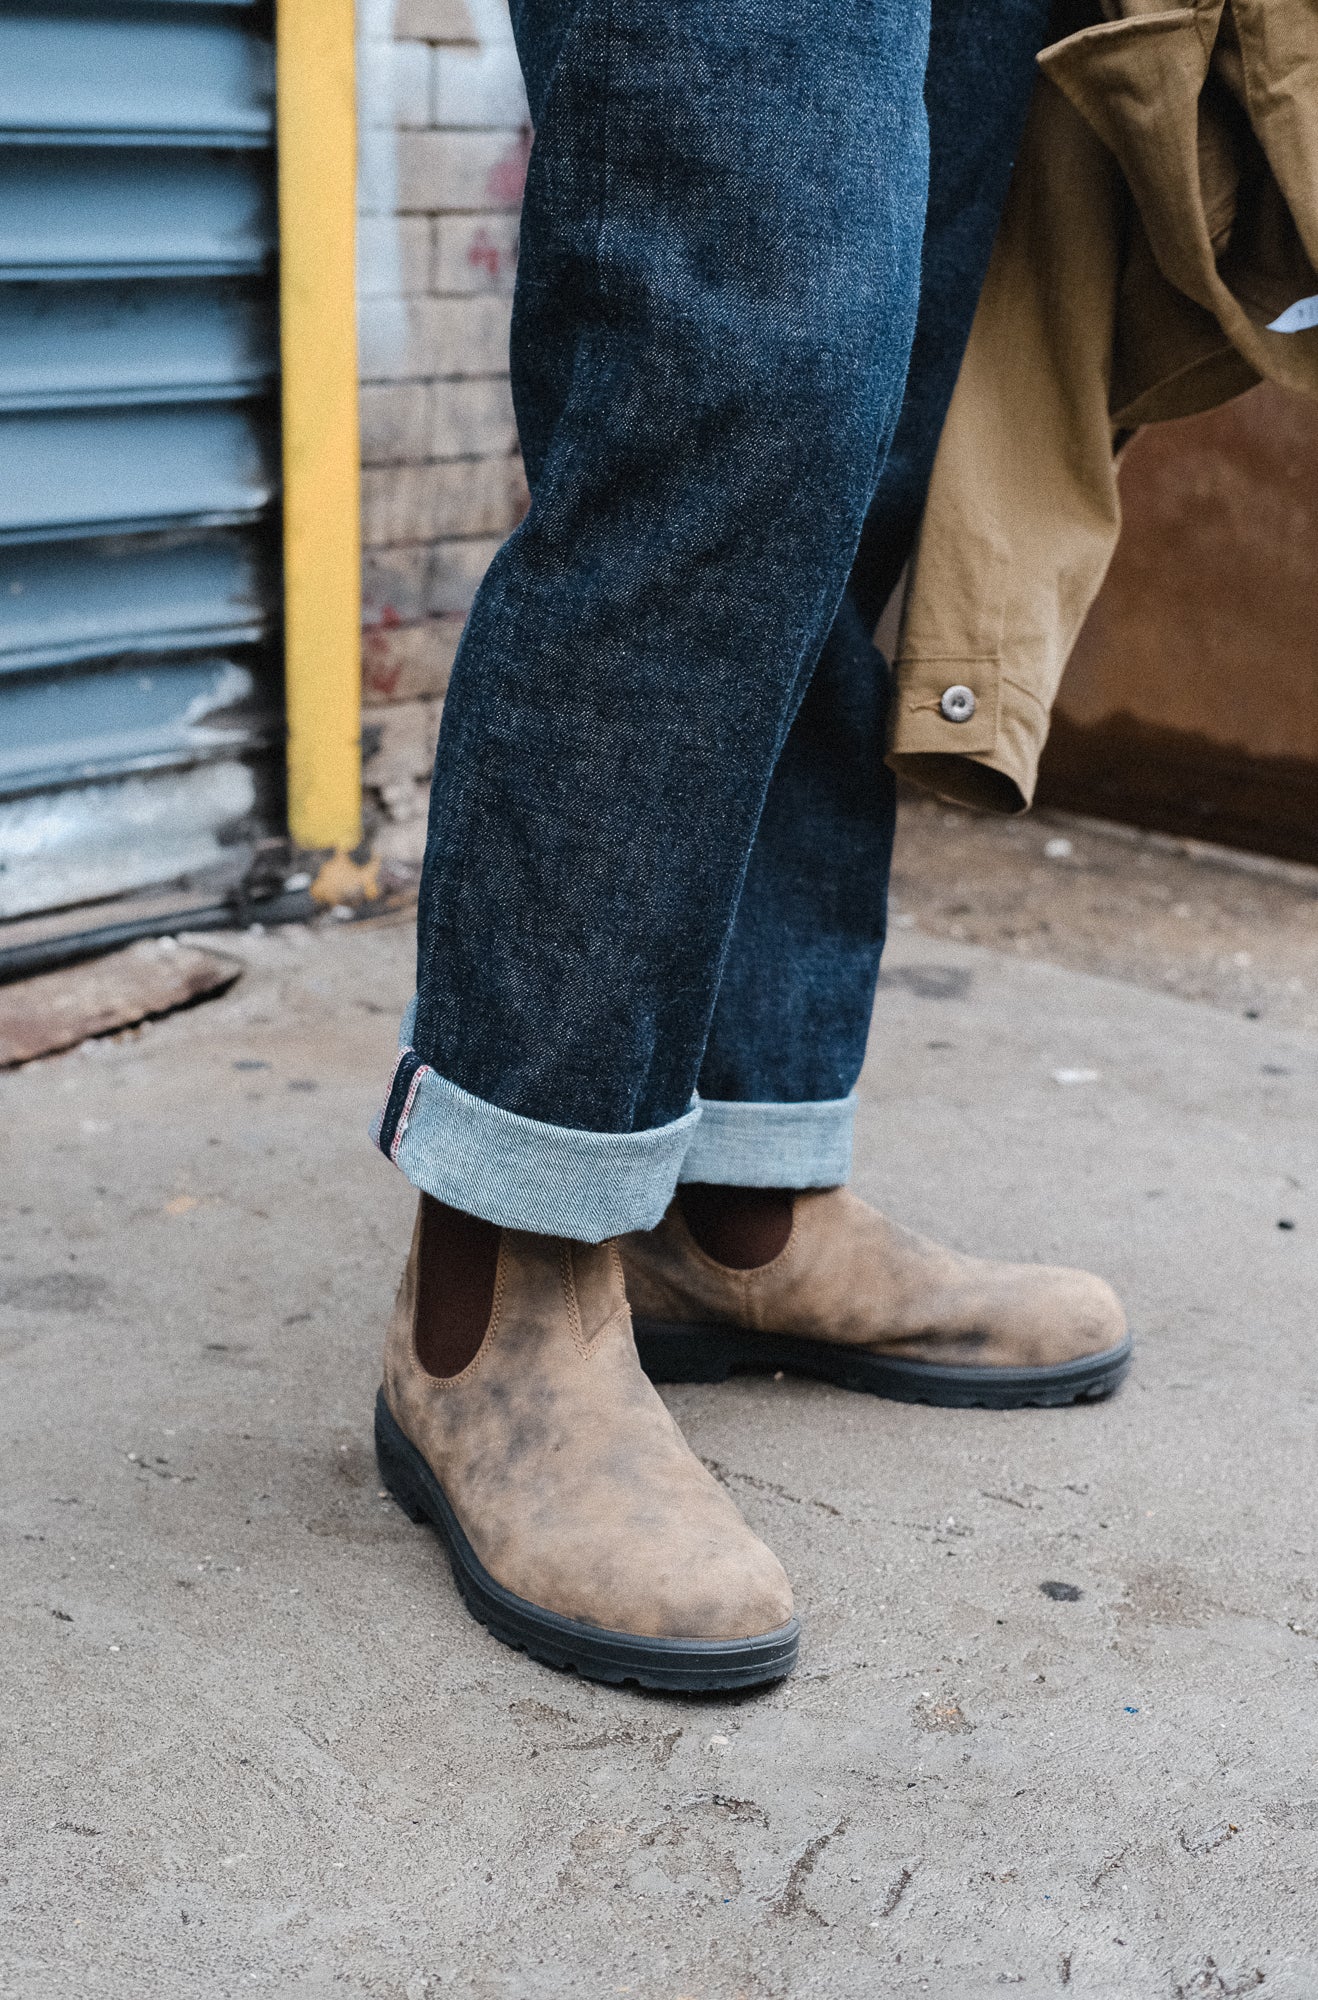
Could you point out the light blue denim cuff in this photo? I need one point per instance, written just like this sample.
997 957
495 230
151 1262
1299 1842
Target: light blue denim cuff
772 1145
521 1172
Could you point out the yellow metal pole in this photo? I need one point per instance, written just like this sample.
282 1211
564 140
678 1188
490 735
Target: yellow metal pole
317 150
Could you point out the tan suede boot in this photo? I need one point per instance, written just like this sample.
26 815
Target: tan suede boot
578 1522
857 1300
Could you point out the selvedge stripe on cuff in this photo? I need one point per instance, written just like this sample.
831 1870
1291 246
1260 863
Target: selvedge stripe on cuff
525 1173
398 1104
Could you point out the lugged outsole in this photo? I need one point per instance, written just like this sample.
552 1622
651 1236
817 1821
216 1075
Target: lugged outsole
680 1666
679 1351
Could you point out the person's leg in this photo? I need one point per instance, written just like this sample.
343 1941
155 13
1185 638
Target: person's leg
716 1286
792 1017
720 270
713 315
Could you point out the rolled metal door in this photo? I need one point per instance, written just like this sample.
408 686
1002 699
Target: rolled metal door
140 710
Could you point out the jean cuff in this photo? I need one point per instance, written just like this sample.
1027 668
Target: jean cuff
772 1145
522 1173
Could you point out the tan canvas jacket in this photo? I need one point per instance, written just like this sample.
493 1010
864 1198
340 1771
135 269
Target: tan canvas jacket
1163 215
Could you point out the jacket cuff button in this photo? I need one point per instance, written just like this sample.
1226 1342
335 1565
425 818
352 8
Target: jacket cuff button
957 704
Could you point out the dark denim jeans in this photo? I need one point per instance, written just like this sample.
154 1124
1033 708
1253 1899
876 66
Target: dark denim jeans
654 893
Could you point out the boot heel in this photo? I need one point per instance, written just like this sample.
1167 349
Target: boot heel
392 1455
670 1351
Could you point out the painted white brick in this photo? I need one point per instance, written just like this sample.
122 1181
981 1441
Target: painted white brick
396 585
382 339
478 87
404 662
395 256
418 339
474 253
418 503
461 170
401 846
456 568
444 137
398 746
398 752
394 83
396 422
472 420
377 171
491 20
435 20
413 423
375 20
425 579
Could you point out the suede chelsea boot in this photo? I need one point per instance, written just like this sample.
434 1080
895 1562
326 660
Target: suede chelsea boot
578 1522
857 1300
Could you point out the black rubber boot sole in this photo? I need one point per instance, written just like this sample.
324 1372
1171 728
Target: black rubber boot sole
685 1666
675 1351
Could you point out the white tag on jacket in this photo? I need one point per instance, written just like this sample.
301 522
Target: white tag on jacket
1297 318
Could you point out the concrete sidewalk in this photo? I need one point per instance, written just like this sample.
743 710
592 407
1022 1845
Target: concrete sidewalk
253 1742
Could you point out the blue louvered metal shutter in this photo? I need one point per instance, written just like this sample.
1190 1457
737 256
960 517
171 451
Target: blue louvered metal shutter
139 687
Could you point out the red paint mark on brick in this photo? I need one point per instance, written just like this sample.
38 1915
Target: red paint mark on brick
381 681
484 254
507 177
380 673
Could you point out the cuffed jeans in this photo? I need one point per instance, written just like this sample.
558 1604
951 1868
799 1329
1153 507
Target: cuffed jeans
655 884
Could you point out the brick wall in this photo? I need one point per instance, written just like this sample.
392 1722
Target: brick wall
443 146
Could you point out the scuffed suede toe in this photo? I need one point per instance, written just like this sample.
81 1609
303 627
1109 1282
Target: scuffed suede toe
1041 1314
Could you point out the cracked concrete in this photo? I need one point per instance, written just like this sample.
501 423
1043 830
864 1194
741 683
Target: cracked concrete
1054 1728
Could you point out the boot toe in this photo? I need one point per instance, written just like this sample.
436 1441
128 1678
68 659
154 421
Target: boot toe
1087 1316
1044 1317
732 1592
675 1585
747 1597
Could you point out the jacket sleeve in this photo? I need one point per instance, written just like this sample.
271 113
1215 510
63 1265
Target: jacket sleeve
1023 514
